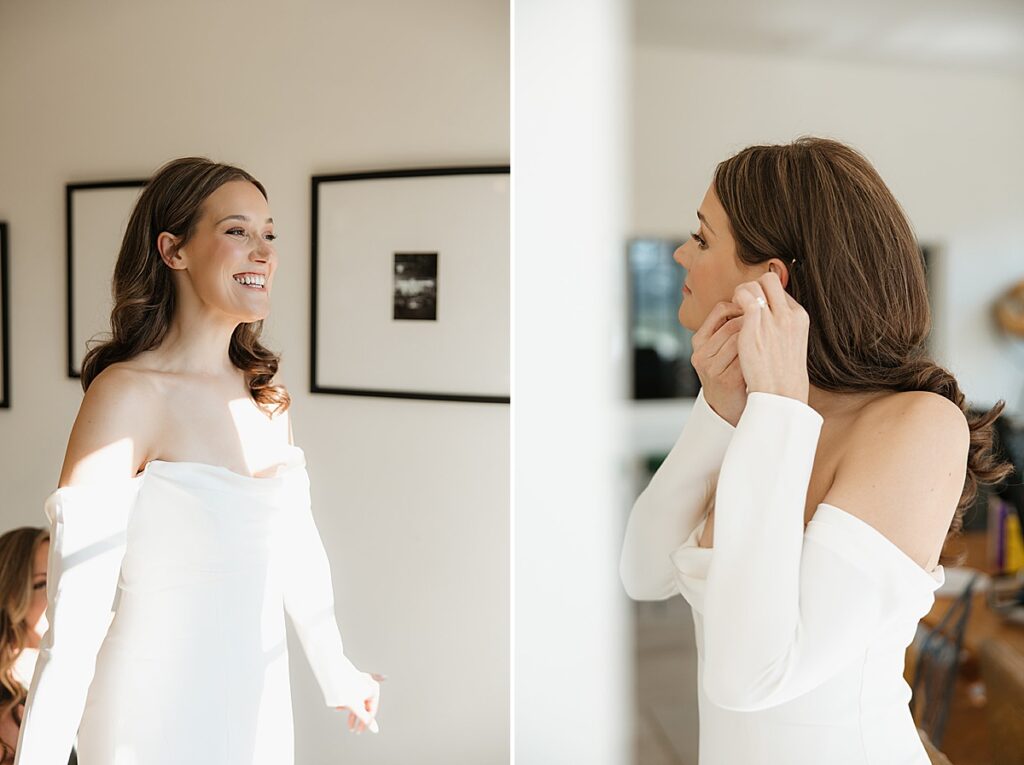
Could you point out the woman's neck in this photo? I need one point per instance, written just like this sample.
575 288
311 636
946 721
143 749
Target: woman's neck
197 346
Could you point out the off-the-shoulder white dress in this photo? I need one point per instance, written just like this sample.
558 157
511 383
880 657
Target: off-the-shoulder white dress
201 563
801 634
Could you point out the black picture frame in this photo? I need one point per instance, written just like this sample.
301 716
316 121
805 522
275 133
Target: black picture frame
71 192
317 186
5 318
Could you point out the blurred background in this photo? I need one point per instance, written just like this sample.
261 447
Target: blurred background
411 497
654 95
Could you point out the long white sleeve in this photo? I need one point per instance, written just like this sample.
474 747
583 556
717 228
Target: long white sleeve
784 609
309 600
87 544
670 507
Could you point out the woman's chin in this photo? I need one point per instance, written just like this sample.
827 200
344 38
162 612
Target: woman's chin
254 316
684 318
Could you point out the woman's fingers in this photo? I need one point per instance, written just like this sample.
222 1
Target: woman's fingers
731 376
733 372
364 718
721 313
714 344
746 295
714 356
774 294
772 345
727 353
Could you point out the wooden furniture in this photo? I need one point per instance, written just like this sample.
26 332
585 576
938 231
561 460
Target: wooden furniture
967 740
938 665
1003 671
984 622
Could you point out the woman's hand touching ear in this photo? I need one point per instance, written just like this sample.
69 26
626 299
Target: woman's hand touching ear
716 359
773 340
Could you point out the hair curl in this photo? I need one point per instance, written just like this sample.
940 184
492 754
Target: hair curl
143 289
858 273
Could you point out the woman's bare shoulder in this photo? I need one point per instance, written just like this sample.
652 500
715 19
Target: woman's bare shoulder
903 469
913 403
126 382
904 423
113 431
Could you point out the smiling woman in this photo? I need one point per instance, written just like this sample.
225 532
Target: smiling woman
186 502
190 207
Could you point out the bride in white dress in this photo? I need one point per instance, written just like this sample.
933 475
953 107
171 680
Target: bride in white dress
184 506
804 509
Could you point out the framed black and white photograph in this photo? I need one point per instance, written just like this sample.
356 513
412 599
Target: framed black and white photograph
416 286
96 218
410 284
661 345
5 329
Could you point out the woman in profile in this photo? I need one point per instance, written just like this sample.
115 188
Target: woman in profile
804 509
184 504
23 555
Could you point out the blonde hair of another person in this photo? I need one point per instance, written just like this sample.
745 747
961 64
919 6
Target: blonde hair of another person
18 549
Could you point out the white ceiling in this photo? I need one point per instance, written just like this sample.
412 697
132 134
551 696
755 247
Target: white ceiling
982 35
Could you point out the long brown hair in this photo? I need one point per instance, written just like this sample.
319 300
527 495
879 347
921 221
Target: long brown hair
859 275
17 554
143 290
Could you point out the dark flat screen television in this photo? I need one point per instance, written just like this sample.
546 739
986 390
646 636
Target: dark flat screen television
661 345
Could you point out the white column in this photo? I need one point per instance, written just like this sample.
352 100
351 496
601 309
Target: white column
572 652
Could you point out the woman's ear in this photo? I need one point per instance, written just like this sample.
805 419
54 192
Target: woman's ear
167 246
777 267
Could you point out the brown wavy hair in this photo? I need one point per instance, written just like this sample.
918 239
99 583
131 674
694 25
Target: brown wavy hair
143 290
859 274
17 553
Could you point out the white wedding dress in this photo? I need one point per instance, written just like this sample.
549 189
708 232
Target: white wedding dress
801 633
202 563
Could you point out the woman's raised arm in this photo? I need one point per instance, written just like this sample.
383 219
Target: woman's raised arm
671 505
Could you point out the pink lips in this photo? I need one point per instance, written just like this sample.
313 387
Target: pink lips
686 290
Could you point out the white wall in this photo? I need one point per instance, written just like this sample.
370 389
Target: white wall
411 497
948 144
571 652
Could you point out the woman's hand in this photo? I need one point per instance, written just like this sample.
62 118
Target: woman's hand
716 359
362 713
773 339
